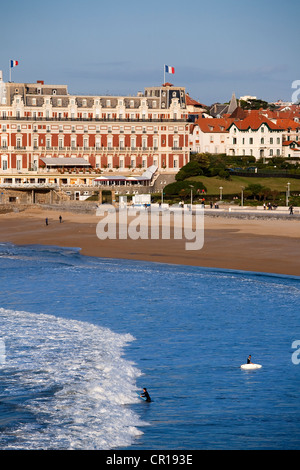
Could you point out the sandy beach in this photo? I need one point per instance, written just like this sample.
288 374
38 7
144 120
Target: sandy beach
266 245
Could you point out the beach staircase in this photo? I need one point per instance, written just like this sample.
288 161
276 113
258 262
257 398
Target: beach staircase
162 181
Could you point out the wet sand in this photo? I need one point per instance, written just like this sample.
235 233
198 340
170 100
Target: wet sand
271 246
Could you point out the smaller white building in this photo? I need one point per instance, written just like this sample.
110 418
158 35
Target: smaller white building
255 135
210 135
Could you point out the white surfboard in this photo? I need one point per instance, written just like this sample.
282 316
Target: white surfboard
250 366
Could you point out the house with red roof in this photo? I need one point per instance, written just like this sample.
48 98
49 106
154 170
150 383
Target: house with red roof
291 149
209 135
256 135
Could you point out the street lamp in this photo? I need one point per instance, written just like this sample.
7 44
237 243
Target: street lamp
191 195
288 193
242 197
221 187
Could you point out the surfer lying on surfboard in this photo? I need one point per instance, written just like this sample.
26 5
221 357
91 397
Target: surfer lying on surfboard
145 395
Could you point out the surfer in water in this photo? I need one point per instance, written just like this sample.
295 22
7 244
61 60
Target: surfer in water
249 360
145 395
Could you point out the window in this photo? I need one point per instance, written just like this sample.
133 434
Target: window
234 140
262 141
132 143
251 140
4 163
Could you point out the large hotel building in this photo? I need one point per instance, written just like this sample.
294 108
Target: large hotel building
43 127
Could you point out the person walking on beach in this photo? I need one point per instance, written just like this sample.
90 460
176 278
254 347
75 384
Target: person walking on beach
46 221
60 219
291 210
146 395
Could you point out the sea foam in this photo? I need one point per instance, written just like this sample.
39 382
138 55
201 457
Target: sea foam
72 379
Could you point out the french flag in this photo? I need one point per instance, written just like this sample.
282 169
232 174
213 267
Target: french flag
169 69
14 63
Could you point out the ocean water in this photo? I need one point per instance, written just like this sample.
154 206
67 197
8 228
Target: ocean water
81 336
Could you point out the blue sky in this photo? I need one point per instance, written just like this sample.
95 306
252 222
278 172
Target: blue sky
118 47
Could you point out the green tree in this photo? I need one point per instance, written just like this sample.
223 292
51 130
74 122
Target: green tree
258 191
192 168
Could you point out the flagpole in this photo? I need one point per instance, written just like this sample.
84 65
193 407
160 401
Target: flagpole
164 74
9 72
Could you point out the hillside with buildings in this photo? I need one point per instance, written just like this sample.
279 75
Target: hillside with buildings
57 146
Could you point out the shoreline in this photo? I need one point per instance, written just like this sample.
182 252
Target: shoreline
240 244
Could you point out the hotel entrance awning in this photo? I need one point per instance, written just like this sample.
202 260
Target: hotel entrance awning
65 162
